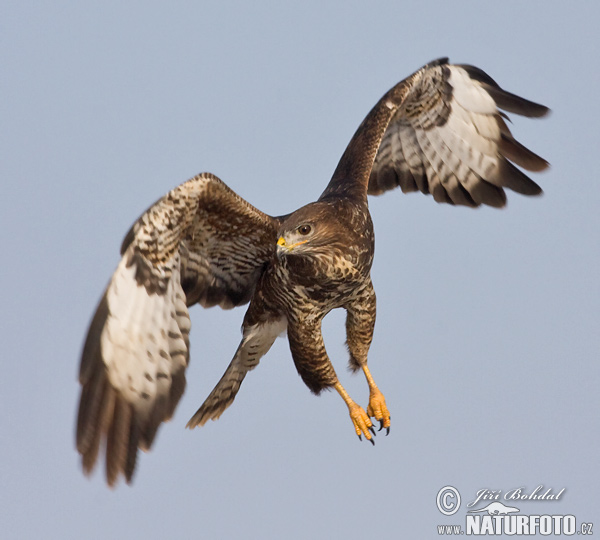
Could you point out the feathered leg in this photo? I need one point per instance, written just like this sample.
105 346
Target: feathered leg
316 370
360 323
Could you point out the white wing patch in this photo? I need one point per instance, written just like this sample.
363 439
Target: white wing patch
468 93
144 340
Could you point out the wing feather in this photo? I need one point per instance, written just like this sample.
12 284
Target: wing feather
447 137
200 243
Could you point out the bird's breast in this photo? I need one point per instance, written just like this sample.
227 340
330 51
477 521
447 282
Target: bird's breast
323 281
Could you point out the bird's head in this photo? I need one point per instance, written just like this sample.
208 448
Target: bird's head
306 230
291 241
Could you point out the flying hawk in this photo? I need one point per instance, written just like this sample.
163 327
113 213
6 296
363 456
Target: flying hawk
440 131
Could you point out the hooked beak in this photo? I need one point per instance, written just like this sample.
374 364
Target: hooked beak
284 247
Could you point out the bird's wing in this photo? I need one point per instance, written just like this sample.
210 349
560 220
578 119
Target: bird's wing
441 132
200 243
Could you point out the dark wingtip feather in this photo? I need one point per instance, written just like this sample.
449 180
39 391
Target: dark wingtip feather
90 356
513 178
515 104
484 192
459 195
117 441
522 156
505 100
95 413
132 451
90 406
477 74
88 434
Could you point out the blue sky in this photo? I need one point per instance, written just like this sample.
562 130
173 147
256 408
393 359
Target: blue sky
487 341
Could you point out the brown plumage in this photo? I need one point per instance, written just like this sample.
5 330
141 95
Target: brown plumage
439 131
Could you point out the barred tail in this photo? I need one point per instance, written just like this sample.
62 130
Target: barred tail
255 344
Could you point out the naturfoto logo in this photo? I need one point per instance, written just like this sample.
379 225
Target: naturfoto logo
497 518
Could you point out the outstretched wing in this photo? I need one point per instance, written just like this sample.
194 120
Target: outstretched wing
440 131
200 243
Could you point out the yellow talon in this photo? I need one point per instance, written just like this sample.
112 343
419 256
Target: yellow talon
378 409
360 419
362 422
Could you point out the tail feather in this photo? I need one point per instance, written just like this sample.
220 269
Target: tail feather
223 393
255 344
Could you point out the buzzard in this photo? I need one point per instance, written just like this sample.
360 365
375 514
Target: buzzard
439 131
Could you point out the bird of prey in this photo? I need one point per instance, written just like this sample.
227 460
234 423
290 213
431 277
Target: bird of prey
440 131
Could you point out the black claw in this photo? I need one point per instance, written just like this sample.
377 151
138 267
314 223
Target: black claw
372 430
380 425
387 431
372 441
360 438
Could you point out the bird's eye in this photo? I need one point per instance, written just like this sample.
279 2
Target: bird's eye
304 229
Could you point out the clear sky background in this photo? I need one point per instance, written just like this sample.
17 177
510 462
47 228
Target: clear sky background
487 339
